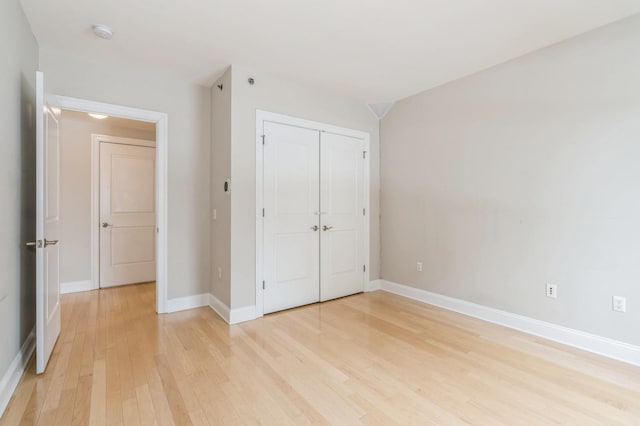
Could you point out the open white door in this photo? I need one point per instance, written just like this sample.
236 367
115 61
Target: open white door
47 226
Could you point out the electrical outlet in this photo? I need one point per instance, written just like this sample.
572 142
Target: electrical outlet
619 304
419 266
552 291
219 273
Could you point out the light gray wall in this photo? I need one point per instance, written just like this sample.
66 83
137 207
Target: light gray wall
19 53
75 188
296 100
189 110
221 201
524 174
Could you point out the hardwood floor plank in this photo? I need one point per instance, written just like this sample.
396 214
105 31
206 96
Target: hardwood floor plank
98 404
374 358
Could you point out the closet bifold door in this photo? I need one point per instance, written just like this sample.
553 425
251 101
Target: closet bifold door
342 220
291 217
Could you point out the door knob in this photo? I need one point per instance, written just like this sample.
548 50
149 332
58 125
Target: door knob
326 228
106 225
314 228
37 243
50 242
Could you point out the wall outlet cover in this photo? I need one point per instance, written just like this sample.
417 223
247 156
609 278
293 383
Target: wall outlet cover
619 304
552 291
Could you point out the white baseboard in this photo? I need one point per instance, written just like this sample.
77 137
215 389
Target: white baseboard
246 313
219 308
188 302
12 376
77 286
373 285
615 349
232 316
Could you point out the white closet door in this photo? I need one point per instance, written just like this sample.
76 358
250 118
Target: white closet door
291 202
342 220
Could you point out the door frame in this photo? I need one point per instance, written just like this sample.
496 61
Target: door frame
161 121
261 117
95 196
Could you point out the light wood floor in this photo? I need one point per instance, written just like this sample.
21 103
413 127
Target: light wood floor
373 358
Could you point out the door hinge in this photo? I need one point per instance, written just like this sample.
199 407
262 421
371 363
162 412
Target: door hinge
263 138
364 268
364 154
263 285
364 212
263 212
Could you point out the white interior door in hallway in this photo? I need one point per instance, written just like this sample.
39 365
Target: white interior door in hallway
127 214
314 215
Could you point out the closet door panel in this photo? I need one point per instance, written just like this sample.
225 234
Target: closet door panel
342 221
291 200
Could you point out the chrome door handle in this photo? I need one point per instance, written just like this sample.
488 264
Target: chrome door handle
314 228
40 244
326 228
106 225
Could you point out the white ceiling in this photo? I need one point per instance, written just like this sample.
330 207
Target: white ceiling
370 50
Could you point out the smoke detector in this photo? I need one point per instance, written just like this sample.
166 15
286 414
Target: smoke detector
103 31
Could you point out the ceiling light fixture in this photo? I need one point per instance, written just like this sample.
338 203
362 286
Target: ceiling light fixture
103 31
98 116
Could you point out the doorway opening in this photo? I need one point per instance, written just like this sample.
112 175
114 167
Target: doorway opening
114 181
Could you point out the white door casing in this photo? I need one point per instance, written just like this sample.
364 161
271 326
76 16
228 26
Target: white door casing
342 161
343 176
291 221
161 121
47 226
127 214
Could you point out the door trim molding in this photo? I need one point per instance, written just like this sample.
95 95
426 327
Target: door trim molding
261 117
161 121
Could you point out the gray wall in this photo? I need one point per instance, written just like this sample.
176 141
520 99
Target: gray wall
75 187
19 53
524 174
189 109
303 101
221 201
